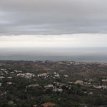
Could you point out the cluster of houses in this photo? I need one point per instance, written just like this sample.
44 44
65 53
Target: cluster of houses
5 74
26 75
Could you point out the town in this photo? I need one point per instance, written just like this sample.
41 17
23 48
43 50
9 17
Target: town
53 84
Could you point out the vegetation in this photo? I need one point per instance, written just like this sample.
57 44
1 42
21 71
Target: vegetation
52 84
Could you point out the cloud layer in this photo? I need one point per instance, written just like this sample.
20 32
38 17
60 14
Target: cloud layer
55 41
33 17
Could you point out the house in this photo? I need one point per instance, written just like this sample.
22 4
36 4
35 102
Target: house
80 82
33 85
26 75
49 86
56 75
48 104
55 89
9 83
34 105
0 84
104 82
66 76
17 71
43 75
2 77
9 77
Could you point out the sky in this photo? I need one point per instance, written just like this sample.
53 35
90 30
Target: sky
52 16
53 24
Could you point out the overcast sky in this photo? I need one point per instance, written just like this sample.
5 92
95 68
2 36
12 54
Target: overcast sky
53 23
52 16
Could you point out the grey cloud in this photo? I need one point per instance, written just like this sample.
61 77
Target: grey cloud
52 16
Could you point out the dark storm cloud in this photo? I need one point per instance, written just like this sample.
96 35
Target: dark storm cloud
52 16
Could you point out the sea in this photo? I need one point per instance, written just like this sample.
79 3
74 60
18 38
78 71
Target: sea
75 54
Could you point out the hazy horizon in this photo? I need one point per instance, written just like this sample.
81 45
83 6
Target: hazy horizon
55 54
